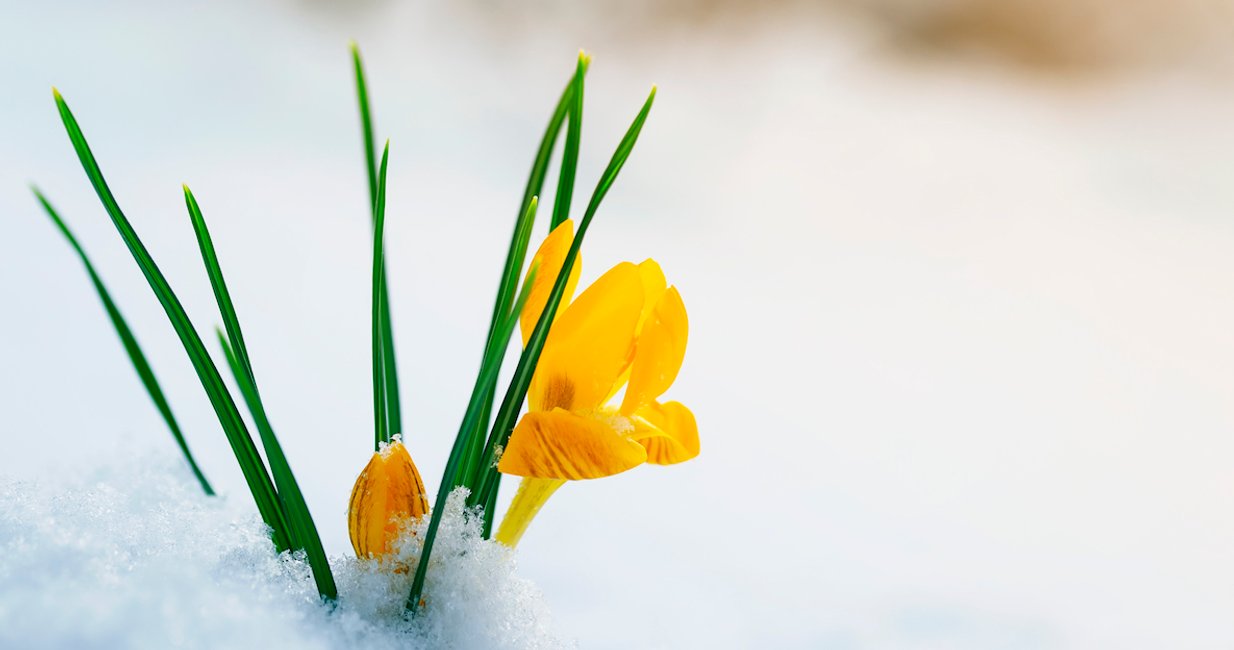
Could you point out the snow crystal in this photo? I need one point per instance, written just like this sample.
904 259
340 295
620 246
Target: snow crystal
135 556
383 447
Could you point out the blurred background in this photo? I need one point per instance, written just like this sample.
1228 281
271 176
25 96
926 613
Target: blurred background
959 275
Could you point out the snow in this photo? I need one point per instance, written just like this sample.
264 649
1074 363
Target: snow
133 555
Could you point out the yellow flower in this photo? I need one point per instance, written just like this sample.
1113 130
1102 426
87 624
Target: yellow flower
627 329
387 493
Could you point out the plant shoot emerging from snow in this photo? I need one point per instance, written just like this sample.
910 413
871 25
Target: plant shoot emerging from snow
627 330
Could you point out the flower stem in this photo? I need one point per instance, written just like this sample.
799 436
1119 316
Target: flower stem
532 494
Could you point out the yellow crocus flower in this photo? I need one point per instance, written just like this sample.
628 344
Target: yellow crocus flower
386 495
627 329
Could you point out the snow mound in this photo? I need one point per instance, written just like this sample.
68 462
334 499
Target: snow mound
135 556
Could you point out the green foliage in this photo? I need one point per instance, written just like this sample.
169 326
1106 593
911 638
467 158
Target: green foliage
485 480
471 421
503 426
130 343
494 348
569 159
472 460
391 407
515 258
224 407
380 333
301 531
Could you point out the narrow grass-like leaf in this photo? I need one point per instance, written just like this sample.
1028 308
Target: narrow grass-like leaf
569 157
471 462
394 411
138 358
490 504
494 349
515 257
222 298
229 418
525 219
517 392
486 377
366 120
506 329
215 272
380 334
304 530
486 484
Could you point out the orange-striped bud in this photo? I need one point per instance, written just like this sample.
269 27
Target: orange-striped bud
387 494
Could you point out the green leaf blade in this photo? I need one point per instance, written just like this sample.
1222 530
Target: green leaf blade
511 405
394 411
569 157
520 240
471 421
366 120
486 485
515 257
217 283
302 531
225 409
381 376
302 527
129 341
495 348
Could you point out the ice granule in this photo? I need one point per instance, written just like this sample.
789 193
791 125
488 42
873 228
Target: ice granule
134 556
384 447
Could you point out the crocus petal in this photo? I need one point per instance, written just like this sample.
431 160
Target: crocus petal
559 444
654 285
658 353
590 345
668 431
548 261
386 494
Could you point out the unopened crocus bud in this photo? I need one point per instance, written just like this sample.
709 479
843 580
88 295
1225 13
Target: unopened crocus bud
387 494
